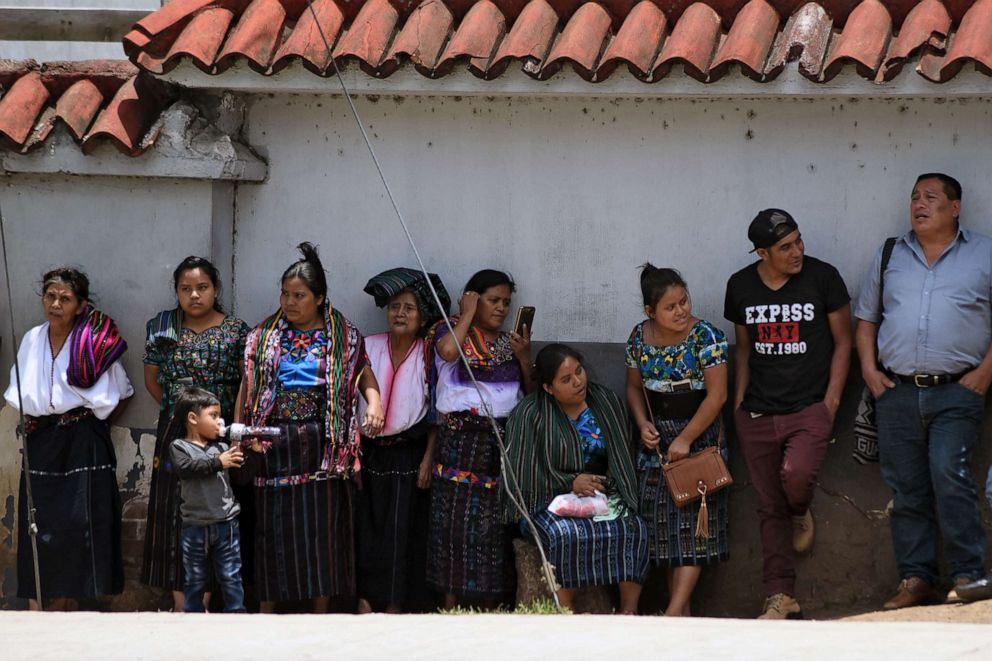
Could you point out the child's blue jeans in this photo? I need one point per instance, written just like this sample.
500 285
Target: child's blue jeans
222 543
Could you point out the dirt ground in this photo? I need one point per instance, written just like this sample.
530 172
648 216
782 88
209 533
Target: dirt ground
979 612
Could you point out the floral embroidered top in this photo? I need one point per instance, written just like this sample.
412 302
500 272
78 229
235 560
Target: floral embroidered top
210 359
660 367
593 448
303 360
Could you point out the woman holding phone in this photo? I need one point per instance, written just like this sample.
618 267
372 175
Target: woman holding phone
470 553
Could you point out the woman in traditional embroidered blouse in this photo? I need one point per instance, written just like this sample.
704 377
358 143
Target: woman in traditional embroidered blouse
193 344
390 510
71 384
676 386
304 369
470 552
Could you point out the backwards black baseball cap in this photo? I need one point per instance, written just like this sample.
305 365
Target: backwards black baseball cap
769 227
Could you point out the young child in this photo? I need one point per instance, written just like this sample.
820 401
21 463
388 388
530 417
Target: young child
209 509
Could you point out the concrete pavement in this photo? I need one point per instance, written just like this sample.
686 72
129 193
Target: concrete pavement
43 636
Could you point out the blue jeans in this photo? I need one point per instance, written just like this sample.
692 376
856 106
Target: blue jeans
925 440
988 487
221 542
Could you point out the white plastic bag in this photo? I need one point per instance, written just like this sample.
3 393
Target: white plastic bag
582 507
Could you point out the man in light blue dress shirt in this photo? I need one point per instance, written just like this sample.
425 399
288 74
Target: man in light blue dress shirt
929 376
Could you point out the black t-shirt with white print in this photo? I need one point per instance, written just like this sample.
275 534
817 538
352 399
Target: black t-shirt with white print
791 343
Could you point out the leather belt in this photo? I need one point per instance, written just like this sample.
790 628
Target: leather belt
929 380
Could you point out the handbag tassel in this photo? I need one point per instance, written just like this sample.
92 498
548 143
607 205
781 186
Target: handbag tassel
703 520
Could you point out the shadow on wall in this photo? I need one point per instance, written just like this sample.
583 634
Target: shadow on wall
851 567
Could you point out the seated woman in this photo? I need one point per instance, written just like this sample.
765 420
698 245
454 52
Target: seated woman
390 510
72 384
470 551
677 364
304 369
571 436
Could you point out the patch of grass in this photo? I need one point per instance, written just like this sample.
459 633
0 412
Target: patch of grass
538 607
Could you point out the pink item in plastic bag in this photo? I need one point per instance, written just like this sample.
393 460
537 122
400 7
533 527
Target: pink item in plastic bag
583 507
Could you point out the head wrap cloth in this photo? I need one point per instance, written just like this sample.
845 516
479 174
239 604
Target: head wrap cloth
390 283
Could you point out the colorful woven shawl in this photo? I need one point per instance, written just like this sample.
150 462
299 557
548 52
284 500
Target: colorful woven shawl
475 347
94 344
346 359
162 330
545 451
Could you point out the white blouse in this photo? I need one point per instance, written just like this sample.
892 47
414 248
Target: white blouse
455 395
45 387
403 390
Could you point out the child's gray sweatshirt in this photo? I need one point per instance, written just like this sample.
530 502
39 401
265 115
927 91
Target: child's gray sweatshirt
204 484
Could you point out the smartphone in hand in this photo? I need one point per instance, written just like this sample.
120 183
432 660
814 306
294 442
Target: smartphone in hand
525 317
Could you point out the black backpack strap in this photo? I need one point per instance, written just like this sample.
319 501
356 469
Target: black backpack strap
890 243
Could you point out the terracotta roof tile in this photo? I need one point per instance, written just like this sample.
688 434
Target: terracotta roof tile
925 29
476 39
306 42
694 40
582 41
255 36
20 105
806 36
749 40
972 42
529 39
637 42
709 38
199 41
863 41
421 39
78 106
93 99
369 34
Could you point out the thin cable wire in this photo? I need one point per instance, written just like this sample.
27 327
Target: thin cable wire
32 524
507 471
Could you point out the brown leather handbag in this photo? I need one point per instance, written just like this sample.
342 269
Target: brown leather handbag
694 477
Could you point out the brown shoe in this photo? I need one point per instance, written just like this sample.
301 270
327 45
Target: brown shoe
913 591
952 596
803 532
781 607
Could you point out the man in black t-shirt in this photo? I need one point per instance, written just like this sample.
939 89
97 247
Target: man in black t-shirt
792 317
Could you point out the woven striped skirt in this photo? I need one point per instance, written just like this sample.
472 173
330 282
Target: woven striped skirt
586 552
304 543
78 509
672 529
470 548
162 561
391 516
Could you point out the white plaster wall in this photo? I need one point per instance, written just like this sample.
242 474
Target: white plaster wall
46 51
126 234
571 195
